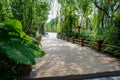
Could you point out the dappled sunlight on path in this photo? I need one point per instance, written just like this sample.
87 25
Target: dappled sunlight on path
64 58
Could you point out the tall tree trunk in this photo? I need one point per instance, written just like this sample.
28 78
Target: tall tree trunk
42 30
102 21
87 22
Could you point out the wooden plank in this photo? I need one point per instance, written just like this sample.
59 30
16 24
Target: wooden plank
77 39
76 42
93 42
112 46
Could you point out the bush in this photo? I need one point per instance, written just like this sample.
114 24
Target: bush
16 47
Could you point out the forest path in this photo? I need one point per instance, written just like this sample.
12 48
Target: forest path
64 58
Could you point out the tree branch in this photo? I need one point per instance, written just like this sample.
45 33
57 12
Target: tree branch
101 8
117 6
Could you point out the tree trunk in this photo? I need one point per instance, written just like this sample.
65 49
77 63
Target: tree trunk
42 30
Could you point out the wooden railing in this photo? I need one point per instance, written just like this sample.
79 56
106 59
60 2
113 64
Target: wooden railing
98 44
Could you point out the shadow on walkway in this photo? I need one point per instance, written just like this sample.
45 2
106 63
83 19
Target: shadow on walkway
67 61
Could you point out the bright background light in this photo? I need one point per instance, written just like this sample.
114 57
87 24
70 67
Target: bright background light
55 8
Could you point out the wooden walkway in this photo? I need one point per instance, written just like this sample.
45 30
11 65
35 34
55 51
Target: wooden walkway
65 59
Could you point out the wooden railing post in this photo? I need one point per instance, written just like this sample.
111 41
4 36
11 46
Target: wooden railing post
62 37
67 38
72 39
82 41
99 44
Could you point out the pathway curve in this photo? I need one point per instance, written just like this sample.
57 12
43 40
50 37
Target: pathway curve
64 58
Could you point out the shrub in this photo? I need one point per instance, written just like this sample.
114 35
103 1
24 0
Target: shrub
16 47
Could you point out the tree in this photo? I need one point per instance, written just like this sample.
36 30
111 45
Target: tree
98 19
30 13
52 25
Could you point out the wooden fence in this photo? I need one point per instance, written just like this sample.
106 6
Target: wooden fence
98 44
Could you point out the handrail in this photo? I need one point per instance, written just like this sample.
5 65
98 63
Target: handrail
112 46
82 41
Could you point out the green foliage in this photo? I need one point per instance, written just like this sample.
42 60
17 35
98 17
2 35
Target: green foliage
17 50
52 25
87 34
14 26
32 14
18 46
36 51
101 16
48 27
58 28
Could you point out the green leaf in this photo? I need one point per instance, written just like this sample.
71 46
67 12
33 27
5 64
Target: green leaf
16 50
14 28
13 25
27 38
37 51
